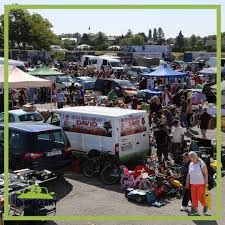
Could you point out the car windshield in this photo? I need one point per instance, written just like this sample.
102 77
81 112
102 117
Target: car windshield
30 117
116 64
126 83
66 79
45 141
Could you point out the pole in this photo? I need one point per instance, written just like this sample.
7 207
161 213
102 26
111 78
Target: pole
51 98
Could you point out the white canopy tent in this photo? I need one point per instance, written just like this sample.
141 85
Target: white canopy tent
19 79
210 70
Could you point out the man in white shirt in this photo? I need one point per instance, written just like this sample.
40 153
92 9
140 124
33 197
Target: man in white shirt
177 138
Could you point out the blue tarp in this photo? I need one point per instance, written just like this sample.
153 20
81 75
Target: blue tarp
166 71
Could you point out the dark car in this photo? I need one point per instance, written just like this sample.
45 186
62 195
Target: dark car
38 147
123 87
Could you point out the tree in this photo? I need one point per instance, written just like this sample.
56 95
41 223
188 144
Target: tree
129 33
132 40
161 36
69 44
30 30
100 41
85 39
192 41
149 34
143 35
155 35
179 42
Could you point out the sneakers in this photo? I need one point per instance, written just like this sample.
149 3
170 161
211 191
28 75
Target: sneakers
194 212
183 208
205 209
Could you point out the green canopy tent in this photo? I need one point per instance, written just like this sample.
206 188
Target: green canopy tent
45 71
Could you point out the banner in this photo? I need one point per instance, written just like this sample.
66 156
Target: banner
87 125
132 125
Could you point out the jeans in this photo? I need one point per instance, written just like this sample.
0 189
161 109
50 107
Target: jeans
183 119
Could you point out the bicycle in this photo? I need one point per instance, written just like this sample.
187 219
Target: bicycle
104 165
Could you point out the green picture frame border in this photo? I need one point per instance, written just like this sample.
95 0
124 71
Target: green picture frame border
217 8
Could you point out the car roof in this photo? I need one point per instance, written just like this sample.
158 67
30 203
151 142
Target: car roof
20 112
85 77
32 127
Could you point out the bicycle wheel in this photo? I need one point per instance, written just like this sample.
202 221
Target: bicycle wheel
89 168
110 174
124 182
146 185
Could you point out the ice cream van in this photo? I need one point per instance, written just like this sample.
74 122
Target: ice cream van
123 132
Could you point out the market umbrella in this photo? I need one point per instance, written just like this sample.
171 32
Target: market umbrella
165 71
45 71
19 79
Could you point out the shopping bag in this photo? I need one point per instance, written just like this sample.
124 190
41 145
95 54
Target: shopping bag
208 199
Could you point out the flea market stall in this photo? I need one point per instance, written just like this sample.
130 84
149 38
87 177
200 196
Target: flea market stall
19 79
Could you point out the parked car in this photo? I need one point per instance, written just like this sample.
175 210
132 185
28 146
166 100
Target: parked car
83 80
123 87
65 82
138 71
37 146
89 85
19 115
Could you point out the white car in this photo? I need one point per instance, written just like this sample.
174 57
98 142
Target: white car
137 71
20 115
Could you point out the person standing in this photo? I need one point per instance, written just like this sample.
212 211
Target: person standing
60 98
204 122
166 97
197 182
183 113
177 138
189 113
22 97
187 193
162 139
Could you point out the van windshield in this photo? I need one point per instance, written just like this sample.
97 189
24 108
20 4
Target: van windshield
116 64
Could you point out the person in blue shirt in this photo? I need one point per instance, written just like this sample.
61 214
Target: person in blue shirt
60 98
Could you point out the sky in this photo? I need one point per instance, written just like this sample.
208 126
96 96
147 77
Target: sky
116 22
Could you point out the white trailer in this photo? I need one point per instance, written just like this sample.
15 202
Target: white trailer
123 132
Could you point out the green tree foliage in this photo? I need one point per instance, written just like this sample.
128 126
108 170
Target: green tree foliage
129 33
29 30
149 34
155 35
68 44
100 41
85 39
143 35
179 44
135 39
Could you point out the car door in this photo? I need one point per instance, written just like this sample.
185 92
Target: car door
17 147
53 119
